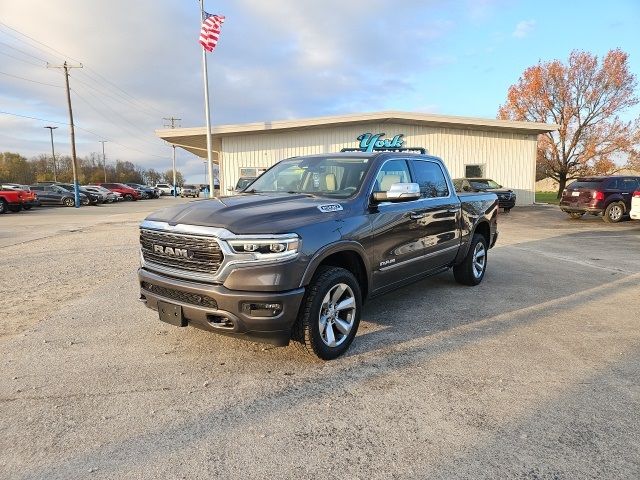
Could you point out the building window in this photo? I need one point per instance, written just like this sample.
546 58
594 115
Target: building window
474 171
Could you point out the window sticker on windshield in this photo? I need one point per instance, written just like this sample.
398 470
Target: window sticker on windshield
316 180
330 207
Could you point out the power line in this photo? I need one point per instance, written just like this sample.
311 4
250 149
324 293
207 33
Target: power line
23 52
87 69
84 130
38 42
95 109
29 80
123 91
22 59
111 95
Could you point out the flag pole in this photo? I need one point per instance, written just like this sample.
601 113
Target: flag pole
206 108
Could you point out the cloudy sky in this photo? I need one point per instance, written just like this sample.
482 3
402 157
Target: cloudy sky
277 59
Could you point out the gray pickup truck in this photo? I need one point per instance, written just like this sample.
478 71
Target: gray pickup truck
296 254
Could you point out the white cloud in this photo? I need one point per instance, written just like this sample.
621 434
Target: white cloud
524 28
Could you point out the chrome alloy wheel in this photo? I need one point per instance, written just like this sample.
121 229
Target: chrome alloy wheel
479 259
337 314
615 213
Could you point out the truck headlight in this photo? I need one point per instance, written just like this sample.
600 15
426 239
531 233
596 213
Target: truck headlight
271 248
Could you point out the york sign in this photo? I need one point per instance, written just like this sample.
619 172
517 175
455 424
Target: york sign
370 142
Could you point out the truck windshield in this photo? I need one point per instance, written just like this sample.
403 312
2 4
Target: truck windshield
335 177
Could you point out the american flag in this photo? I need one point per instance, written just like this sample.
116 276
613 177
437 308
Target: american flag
210 31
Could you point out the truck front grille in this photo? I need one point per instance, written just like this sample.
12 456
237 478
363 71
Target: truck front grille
183 252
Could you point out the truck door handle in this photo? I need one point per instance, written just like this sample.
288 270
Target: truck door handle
416 216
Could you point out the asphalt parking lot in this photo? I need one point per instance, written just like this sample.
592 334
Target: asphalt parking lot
533 374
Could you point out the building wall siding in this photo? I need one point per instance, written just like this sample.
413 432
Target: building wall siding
509 158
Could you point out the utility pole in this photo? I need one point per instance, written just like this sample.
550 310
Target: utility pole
104 160
207 109
53 155
74 160
173 121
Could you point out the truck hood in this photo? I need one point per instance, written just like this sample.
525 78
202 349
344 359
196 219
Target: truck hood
254 213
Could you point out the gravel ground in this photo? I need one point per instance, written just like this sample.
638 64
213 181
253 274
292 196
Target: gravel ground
534 374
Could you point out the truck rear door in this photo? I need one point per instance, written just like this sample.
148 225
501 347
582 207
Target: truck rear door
438 213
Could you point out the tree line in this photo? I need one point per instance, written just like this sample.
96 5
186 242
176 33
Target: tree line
14 168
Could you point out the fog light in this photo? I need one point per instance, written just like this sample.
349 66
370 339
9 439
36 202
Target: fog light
256 309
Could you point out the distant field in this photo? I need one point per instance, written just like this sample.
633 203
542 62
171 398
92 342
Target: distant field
547 197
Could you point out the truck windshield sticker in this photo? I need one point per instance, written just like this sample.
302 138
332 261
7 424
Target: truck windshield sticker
330 207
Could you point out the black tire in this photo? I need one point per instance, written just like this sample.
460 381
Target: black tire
576 215
85 201
69 202
15 208
307 332
128 197
3 206
466 272
614 212
27 207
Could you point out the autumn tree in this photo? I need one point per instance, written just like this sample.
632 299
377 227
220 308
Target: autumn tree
585 98
168 177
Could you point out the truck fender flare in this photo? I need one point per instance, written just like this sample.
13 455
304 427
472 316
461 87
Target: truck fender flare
327 250
462 253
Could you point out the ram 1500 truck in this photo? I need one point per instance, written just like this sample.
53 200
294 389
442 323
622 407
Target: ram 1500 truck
296 254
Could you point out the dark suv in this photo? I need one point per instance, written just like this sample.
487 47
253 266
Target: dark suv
606 196
506 196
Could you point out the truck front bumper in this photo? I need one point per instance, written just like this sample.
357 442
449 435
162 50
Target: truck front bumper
229 312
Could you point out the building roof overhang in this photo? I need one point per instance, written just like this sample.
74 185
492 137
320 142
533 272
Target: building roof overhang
193 139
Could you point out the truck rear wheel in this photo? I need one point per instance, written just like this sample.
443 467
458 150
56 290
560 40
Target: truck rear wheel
471 270
3 206
330 313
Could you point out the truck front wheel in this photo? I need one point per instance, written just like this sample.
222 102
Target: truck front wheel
330 313
471 270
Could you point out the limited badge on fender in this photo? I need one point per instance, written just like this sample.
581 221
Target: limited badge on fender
330 207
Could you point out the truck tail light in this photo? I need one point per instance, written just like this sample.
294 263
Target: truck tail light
636 194
598 195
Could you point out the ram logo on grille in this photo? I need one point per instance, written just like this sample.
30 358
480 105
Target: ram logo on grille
172 251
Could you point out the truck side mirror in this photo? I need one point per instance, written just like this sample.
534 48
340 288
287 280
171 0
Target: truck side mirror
398 192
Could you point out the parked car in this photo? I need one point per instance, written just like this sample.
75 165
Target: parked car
110 196
189 191
607 196
29 197
506 196
126 191
288 260
147 192
634 213
10 200
241 184
166 189
51 194
94 198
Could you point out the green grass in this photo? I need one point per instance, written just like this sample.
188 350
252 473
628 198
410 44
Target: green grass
547 197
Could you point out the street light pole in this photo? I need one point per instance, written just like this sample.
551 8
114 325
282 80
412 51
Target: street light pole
53 155
104 160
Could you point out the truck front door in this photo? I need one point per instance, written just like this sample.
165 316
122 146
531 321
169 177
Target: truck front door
396 230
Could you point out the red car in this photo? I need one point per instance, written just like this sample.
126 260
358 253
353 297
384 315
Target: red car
10 200
127 192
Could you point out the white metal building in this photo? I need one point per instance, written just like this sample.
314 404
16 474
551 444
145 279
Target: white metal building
502 150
